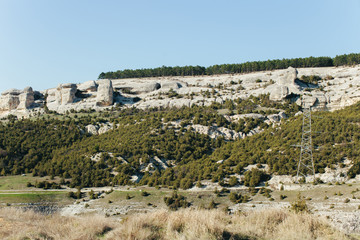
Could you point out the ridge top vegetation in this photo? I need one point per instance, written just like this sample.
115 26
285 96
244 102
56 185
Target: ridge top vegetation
247 67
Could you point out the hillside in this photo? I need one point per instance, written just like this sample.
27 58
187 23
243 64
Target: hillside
123 146
331 86
178 146
180 130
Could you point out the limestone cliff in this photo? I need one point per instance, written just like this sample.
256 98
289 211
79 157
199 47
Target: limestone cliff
14 99
338 87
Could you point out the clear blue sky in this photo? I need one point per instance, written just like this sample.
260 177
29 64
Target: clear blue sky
47 42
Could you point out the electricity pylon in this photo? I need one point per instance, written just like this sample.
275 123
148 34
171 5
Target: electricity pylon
306 161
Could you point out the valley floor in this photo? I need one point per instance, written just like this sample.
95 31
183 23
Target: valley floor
333 208
164 224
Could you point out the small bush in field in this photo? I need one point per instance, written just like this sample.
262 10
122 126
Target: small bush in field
299 205
176 201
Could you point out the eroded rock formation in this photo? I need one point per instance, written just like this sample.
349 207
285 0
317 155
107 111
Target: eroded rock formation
337 88
13 99
284 86
89 86
105 93
65 93
26 98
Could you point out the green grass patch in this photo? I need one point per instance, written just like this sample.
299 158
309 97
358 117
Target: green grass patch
34 197
19 182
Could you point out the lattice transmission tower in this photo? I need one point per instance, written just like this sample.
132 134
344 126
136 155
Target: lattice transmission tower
306 161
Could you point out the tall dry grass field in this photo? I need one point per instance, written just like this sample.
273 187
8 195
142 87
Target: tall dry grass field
19 224
162 224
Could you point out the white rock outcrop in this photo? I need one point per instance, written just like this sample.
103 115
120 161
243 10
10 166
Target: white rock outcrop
92 129
338 88
215 132
237 117
274 118
287 78
147 87
9 102
99 129
105 93
11 91
167 85
13 99
284 86
65 93
26 98
89 86
104 128
278 92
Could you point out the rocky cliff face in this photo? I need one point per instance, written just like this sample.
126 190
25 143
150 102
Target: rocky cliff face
338 87
15 99
65 93
285 85
104 93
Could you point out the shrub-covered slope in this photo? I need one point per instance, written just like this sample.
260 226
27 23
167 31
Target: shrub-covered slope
160 146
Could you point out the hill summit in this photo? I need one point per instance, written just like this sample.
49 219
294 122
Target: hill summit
326 87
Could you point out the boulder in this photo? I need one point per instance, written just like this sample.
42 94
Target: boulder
284 86
287 77
65 93
50 95
89 86
278 92
91 129
16 99
26 98
105 93
317 100
277 117
146 88
9 102
104 128
170 85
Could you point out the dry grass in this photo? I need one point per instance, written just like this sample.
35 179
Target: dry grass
18 224
162 224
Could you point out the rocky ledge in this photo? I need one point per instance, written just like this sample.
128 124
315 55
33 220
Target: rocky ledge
337 87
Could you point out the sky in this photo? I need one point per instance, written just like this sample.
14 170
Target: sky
47 42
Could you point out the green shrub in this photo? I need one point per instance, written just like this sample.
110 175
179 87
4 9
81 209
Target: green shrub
233 181
313 79
144 193
176 201
282 197
299 205
254 177
238 198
